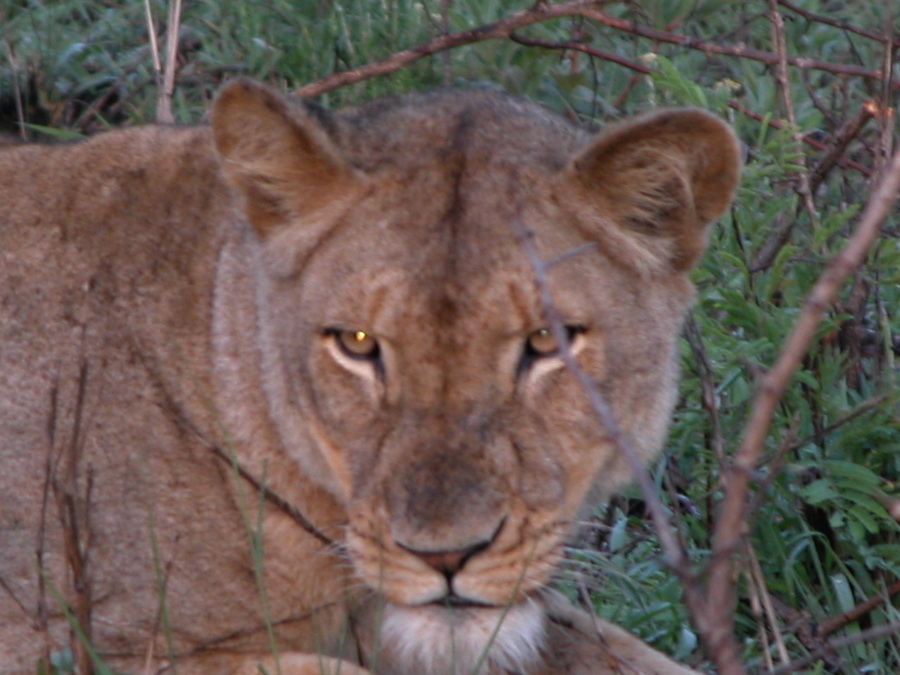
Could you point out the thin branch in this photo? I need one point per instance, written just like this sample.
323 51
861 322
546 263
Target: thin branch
833 151
862 409
875 633
176 413
22 608
173 28
727 50
503 28
832 154
840 140
709 397
818 18
729 526
863 608
581 47
273 498
154 42
813 143
17 90
885 108
756 582
545 11
74 517
784 86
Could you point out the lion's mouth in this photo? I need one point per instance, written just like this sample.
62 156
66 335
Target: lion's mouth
455 602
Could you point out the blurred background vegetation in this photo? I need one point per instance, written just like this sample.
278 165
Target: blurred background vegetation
821 568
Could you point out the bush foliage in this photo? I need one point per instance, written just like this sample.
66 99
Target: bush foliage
822 557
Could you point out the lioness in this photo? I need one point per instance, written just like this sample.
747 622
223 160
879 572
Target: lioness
287 393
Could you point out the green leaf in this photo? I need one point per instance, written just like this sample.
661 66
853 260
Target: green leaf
58 134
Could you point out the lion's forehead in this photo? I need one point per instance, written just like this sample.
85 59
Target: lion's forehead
483 126
456 297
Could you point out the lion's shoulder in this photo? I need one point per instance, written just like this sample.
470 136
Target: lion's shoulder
139 198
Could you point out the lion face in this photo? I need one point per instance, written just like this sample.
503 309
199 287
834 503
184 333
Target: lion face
463 445
419 298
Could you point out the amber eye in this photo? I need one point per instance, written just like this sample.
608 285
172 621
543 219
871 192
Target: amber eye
357 343
542 343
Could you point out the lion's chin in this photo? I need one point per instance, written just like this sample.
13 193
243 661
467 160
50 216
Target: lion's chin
456 640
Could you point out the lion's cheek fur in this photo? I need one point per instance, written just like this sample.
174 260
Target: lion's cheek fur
244 359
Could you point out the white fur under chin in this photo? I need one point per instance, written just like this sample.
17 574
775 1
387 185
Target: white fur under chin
434 640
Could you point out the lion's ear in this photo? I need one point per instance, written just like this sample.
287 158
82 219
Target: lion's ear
654 184
278 155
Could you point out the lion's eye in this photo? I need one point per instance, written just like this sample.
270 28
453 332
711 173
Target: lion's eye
357 343
542 342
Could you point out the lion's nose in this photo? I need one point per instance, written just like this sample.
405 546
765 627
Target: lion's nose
449 563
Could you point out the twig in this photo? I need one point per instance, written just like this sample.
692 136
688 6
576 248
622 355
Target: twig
832 155
833 151
503 28
176 413
840 140
728 50
49 472
759 593
734 105
276 500
886 104
863 608
17 90
167 90
818 18
445 30
707 386
154 43
862 409
727 536
545 11
863 636
157 61
35 625
74 517
581 47
781 77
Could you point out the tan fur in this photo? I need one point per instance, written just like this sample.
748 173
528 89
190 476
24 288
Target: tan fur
197 468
